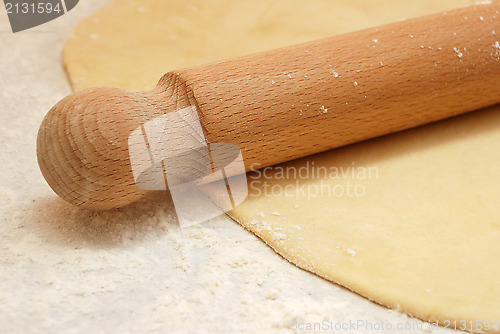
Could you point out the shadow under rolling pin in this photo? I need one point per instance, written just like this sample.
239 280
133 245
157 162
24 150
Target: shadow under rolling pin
282 104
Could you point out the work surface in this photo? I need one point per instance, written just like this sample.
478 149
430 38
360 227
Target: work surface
64 269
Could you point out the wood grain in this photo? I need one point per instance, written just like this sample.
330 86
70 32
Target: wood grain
283 104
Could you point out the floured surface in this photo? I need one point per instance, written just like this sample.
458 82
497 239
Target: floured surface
419 230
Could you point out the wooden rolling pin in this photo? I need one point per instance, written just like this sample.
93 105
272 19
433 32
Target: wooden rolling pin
283 104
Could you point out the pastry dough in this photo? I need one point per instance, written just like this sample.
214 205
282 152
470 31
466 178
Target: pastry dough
410 220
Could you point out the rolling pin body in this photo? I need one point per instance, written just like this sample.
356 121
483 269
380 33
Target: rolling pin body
283 104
